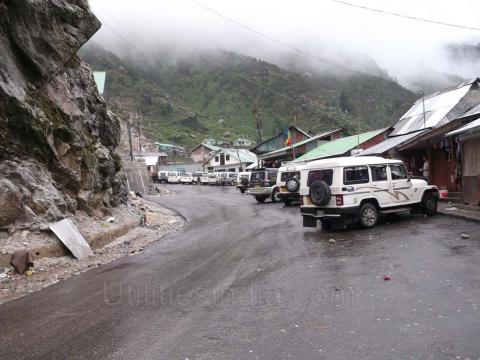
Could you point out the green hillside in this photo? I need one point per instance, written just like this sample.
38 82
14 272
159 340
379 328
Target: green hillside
211 94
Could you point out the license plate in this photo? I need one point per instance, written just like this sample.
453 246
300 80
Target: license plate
257 186
283 189
307 200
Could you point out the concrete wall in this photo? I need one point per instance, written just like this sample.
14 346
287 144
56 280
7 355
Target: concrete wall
138 177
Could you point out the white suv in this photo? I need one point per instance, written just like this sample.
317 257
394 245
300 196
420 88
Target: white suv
339 189
288 181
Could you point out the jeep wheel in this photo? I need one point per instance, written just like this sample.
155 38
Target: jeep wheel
320 193
292 185
368 215
429 204
275 197
242 190
260 199
287 202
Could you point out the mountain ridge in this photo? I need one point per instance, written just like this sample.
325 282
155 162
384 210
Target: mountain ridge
211 94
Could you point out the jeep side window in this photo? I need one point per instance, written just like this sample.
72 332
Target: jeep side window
398 172
355 175
379 172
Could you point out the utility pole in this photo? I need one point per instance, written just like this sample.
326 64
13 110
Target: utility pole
129 128
138 118
293 137
259 124
240 160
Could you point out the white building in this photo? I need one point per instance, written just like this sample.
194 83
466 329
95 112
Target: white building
152 160
234 160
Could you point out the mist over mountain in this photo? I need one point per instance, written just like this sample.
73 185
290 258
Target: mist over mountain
188 96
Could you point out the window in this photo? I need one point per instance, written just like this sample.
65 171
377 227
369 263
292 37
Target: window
227 157
379 172
216 159
322 175
288 175
355 175
258 175
398 172
272 175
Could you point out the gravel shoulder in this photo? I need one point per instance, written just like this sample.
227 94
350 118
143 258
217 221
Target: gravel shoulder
156 222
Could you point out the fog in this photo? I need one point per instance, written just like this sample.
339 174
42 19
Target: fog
324 29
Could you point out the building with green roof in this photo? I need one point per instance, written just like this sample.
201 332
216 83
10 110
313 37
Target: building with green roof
344 146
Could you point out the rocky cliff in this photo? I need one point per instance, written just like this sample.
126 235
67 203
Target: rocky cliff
57 138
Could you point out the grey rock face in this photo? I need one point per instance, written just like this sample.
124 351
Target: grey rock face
57 138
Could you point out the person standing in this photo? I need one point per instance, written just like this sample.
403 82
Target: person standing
426 168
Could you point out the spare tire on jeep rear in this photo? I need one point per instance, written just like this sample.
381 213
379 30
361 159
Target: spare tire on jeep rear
320 193
292 185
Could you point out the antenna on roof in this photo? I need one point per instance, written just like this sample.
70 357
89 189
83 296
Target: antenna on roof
422 94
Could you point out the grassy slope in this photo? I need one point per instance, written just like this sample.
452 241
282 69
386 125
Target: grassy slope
182 101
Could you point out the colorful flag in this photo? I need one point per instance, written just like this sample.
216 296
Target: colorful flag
288 140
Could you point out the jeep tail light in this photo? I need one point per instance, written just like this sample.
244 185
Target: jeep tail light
339 200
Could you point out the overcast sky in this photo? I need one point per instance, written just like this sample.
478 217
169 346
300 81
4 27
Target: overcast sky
402 47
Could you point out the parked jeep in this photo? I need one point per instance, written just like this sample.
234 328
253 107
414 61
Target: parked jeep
288 181
213 178
227 178
263 185
163 177
360 188
242 181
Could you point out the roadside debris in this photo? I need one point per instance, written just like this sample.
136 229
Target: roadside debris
332 241
387 277
452 208
50 270
465 236
21 261
111 219
69 235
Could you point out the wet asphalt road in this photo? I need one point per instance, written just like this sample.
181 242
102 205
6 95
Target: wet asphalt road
245 281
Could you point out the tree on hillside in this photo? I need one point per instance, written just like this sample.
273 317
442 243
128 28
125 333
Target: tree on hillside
344 103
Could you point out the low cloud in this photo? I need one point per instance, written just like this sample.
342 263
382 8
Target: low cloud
349 36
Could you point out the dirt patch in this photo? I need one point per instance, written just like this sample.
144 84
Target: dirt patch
157 222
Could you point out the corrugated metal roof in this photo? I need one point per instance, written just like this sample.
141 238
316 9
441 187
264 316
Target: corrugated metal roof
99 77
211 147
149 153
340 146
437 108
389 144
472 112
243 155
300 143
280 133
470 126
